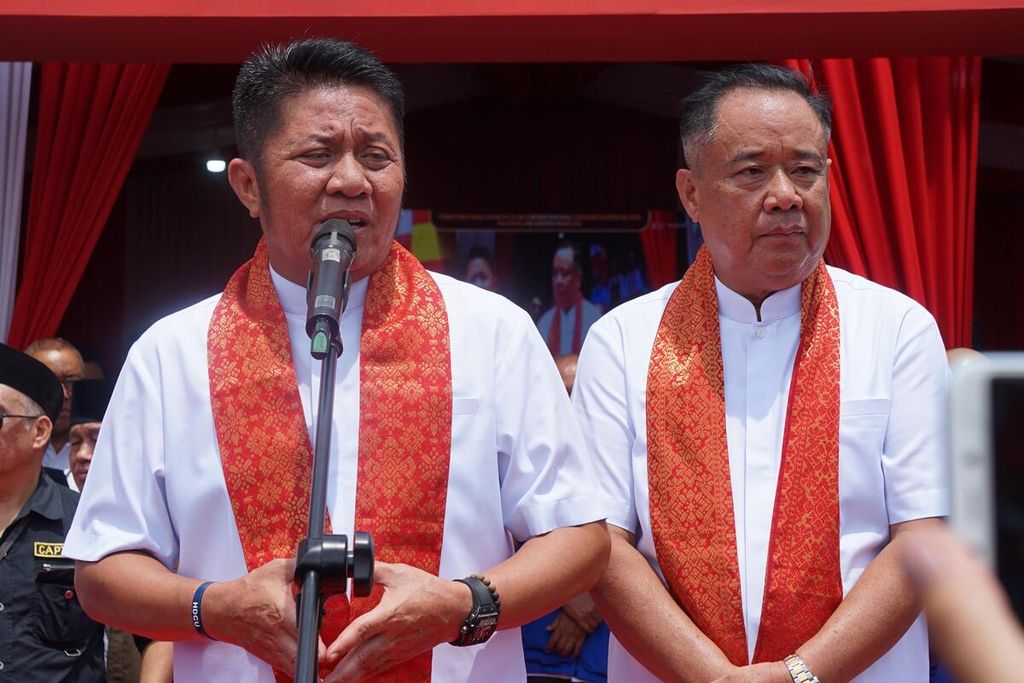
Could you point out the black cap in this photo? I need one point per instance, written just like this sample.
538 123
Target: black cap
25 374
89 400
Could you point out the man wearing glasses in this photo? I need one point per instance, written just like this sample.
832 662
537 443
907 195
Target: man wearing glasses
46 634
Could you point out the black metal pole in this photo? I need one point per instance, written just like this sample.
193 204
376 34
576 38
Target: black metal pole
324 562
310 598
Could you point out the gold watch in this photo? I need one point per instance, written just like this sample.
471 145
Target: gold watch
799 671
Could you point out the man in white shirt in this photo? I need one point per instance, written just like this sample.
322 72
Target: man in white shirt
65 362
770 430
198 491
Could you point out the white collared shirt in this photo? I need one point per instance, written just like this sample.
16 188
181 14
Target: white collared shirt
517 469
58 460
892 465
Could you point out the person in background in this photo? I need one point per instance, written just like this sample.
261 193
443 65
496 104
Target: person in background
480 269
567 370
157 660
91 366
565 324
88 404
64 361
600 294
46 636
962 356
569 643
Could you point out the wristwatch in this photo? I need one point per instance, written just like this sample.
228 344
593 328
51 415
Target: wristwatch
799 671
482 621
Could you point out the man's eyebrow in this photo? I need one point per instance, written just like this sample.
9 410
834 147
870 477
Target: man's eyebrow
378 138
808 155
317 138
746 155
755 153
328 138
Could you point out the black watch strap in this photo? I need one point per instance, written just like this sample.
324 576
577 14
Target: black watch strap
482 621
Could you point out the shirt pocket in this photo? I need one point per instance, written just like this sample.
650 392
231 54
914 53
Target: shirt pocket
862 407
862 428
59 618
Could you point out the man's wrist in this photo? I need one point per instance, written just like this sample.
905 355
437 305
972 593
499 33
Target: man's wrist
462 605
482 619
211 609
196 611
799 672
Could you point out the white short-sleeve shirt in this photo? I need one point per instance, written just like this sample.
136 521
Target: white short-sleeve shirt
892 465
517 469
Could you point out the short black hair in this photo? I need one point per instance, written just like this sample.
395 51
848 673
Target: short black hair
699 110
277 72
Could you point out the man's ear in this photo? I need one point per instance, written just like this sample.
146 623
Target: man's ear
688 195
43 428
242 177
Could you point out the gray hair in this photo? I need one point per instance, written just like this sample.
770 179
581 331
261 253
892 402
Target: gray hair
699 111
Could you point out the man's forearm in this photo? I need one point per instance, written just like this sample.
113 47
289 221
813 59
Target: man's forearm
132 591
875 614
647 621
548 571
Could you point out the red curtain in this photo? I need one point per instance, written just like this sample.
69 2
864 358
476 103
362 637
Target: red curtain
659 239
904 150
91 120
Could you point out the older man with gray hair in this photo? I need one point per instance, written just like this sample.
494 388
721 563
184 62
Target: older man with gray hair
770 429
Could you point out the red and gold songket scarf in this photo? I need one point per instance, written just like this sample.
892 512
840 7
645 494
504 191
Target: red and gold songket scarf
688 466
405 409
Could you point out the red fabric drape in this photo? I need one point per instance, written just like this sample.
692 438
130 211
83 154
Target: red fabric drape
659 241
904 151
91 120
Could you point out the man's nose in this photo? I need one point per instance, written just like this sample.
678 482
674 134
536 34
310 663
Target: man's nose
781 194
349 178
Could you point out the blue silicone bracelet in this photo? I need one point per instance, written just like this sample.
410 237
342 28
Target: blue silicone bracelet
197 609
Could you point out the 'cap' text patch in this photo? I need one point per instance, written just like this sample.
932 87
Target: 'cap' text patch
41 549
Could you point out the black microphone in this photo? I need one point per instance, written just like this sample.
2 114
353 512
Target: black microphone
333 249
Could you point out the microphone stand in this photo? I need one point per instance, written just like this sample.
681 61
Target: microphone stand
324 563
